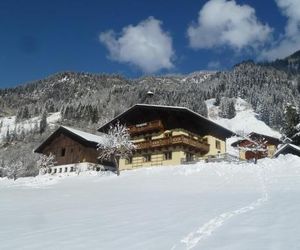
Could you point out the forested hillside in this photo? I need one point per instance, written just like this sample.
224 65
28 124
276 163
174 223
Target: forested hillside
93 98
87 100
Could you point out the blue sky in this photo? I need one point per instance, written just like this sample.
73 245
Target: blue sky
133 38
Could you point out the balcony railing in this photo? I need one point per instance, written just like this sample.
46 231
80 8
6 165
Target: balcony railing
226 157
182 140
147 127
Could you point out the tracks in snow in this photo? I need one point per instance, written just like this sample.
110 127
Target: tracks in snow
203 232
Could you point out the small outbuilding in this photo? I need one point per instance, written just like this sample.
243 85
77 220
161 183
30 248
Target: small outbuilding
288 149
268 143
70 146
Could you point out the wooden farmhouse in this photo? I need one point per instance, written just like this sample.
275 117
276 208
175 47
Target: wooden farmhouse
71 146
268 143
166 135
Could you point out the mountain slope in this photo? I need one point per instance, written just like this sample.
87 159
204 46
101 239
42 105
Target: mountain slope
244 122
88 100
289 64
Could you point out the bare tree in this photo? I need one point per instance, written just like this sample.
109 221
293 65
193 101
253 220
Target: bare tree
14 169
117 145
45 163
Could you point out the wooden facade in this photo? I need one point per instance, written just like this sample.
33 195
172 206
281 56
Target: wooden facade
67 151
268 143
168 118
176 140
69 147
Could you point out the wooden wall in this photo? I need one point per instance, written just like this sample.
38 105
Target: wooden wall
74 151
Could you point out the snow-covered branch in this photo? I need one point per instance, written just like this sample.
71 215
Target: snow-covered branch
45 163
117 145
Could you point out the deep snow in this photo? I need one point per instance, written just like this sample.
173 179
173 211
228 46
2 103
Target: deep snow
202 206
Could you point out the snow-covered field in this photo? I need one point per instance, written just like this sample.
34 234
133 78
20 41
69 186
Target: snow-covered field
202 206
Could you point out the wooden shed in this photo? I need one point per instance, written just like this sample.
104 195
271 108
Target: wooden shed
70 145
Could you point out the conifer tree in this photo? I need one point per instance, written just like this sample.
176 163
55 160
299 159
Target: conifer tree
291 123
43 122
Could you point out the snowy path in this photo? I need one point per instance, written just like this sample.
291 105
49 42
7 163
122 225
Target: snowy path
193 238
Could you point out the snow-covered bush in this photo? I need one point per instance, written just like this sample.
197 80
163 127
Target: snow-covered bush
45 163
117 145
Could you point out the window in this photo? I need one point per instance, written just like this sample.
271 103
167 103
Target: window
128 160
49 171
63 152
60 170
55 170
147 158
72 169
189 157
168 134
218 145
66 169
168 156
148 138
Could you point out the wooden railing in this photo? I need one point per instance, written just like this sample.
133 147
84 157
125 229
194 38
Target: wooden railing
147 127
226 157
173 141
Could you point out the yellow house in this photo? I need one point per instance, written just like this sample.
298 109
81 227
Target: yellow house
167 135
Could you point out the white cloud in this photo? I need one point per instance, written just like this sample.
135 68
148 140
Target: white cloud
290 40
222 22
214 65
145 45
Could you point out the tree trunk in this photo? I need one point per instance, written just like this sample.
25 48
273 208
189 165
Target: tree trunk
116 160
255 157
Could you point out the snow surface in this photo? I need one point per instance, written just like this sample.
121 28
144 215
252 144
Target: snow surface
9 123
204 206
244 122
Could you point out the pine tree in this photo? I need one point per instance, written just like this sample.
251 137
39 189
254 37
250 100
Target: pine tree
43 122
227 108
291 123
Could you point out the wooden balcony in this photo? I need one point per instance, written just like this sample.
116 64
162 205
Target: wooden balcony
177 140
147 127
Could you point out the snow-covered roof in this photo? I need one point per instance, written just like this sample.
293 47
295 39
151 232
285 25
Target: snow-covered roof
88 139
279 151
87 136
